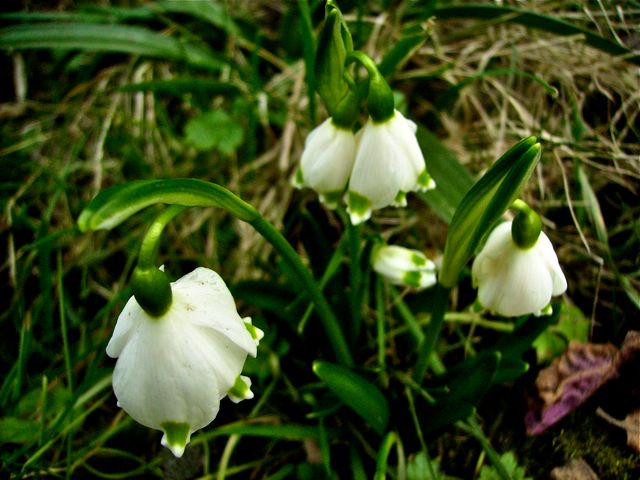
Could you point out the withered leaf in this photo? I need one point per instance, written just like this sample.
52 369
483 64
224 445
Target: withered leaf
575 376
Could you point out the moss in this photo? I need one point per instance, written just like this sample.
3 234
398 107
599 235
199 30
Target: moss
591 439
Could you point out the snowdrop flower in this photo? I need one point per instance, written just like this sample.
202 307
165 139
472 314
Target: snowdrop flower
404 266
389 163
515 281
173 370
327 160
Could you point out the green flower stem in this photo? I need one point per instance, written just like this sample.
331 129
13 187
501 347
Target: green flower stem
380 321
432 332
380 97
324 311
355 280
151 241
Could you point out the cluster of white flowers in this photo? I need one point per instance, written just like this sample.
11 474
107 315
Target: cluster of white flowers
380 164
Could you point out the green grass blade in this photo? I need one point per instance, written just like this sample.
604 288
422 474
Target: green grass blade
537 21
110 38
360 395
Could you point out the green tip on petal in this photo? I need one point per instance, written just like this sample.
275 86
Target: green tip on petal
425 182
255 332
548 310
241 389
176 437
331 199
413 279
418 260
359 207
298 179
400 200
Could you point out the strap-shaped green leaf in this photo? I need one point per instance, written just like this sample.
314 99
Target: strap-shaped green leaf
360 395
483 205
114 205
111 38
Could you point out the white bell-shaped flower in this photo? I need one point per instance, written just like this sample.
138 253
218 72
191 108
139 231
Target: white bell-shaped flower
513 281
388 165
404 266
173 370
326 161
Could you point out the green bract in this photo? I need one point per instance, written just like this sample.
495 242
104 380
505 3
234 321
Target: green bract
333 46
484 204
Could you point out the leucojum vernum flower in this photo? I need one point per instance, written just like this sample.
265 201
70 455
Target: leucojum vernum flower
173 370
516 279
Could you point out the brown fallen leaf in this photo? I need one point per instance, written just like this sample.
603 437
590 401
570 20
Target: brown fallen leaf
575 376
575 469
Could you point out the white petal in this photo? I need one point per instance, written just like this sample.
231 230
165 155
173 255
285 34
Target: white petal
548 254
328 158
165 374
127 322
374 175
202 298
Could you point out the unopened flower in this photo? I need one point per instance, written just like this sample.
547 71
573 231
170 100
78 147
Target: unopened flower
404 266
327 160
515 281
388 165
173 370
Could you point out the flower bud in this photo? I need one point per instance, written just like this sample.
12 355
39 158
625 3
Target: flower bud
404 266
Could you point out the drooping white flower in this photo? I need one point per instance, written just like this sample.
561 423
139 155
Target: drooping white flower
388 165
326 161
513 281
173 370
404 266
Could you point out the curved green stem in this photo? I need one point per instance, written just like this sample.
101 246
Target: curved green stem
327 317
151 241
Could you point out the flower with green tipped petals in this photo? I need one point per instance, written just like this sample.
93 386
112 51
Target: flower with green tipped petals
173 369
388 164
514 281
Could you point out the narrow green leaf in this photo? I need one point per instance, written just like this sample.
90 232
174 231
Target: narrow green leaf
592 206
213 12
484 204
114 205
537 21
110 38
401 52
360 395
452 179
